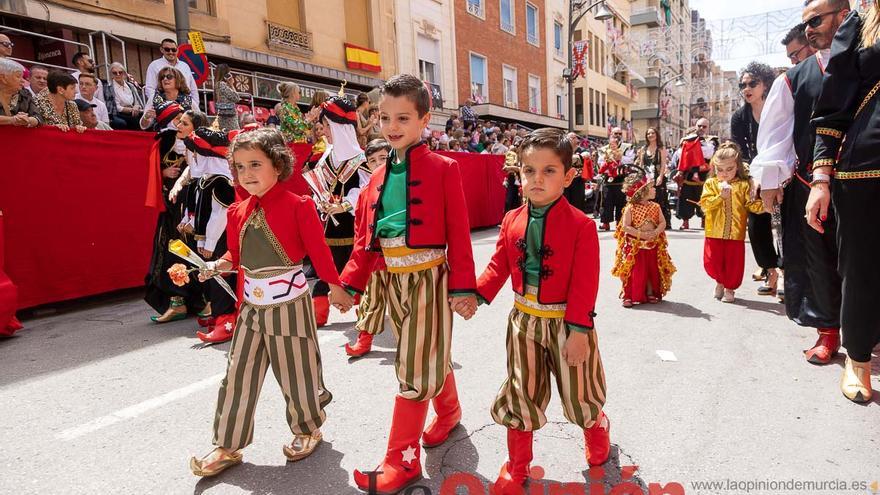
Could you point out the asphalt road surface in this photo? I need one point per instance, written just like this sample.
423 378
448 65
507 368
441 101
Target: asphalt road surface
96 399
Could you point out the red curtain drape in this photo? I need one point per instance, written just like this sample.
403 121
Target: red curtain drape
75 221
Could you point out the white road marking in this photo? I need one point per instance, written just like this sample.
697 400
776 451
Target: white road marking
139 408
156 402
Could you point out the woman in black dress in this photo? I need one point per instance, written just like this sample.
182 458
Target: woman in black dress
654 158
755 83
847 122
170 301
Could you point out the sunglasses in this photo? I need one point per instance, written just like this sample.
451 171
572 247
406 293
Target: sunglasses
117 72
168 77
793 56
751 84
7 44
167 49
817 19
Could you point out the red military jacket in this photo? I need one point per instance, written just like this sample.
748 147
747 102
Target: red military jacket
570 270
294 221
436 217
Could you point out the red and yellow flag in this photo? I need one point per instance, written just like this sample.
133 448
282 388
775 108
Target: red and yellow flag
360 58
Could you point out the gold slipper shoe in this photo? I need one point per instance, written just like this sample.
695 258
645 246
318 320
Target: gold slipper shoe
855 383
302 446
201 467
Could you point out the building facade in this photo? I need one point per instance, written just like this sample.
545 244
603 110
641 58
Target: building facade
662 36
501 56
318 44
425 46
604 96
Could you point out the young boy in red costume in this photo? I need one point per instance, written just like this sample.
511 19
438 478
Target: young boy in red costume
371 310
416 219
550 250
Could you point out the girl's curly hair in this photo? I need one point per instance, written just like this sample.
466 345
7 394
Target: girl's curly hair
270 141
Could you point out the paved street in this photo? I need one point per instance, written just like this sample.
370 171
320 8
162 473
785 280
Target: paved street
97 399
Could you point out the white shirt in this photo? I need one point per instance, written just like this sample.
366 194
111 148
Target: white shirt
99 93
124 96
100 108
151 79
776 160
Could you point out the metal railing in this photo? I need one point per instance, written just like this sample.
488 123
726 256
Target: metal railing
29 62
106 52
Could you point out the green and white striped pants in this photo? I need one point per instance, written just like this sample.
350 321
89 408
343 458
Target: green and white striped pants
374 301
422 321
284 337
534 351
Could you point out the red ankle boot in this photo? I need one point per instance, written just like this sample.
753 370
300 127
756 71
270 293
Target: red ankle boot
598 441
606 226
402 465
515 471
220 332
685 225
322 310
448 415
826 346
361 347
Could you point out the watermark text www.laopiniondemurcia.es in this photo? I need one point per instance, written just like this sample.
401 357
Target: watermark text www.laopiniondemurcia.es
757 487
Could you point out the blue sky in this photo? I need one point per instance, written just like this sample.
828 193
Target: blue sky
726 9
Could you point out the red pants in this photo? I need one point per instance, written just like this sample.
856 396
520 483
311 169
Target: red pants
645 273
725 261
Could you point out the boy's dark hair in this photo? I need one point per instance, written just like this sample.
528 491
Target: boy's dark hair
376 146
58 79
550 139
796 33
412 88
167 40
270 141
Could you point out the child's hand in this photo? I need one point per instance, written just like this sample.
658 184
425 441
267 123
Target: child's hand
575 349
465 306
725 192
340 299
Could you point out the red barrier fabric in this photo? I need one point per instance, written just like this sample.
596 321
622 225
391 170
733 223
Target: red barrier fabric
75 220
8 295
483 182
76 223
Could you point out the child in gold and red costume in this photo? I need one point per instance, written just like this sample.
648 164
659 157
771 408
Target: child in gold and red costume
550 251
642 261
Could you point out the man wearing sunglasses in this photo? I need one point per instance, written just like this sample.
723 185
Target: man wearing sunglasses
168 47
797 48
783 168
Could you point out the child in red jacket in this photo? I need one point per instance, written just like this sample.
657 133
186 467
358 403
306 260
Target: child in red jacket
268 236
550 250
417 221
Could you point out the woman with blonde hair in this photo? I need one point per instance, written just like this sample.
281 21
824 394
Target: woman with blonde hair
847 123
294 126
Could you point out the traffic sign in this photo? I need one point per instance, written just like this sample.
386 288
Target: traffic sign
198 62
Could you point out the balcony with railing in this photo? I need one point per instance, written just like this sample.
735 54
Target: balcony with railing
289 39
475 7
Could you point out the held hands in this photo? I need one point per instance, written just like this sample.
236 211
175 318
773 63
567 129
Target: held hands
575 349
205 253
817 206
465 305
340 299
171 173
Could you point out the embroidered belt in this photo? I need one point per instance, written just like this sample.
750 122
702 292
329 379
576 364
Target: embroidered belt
401 259
862 174
347 241
274 287
529 304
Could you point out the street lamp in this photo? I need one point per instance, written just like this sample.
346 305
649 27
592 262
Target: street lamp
581 7
679 82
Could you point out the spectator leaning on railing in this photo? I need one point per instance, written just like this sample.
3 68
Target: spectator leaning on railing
17 105
56 103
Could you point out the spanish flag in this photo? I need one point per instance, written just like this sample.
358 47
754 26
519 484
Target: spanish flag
360 58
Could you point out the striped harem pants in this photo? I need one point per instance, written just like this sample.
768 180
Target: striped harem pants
284 337
371 310
534 351
422 322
